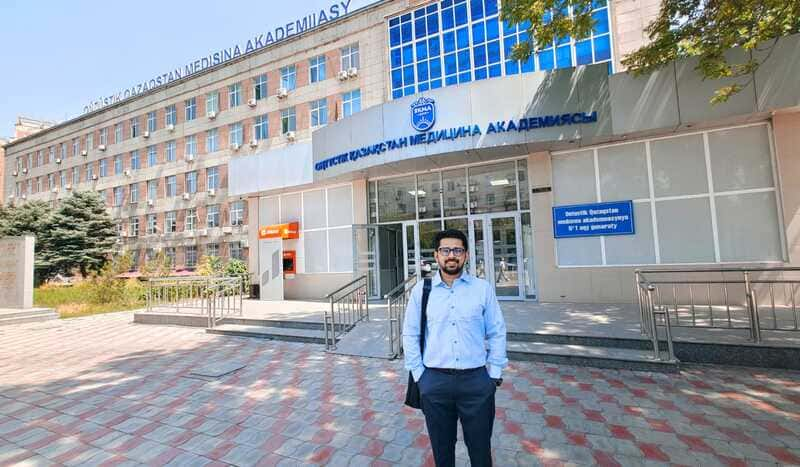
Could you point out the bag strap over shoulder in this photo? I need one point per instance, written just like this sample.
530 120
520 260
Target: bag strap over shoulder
426 293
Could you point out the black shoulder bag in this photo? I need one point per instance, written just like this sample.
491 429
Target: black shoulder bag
413 398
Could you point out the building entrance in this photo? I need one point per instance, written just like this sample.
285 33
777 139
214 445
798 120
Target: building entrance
496 253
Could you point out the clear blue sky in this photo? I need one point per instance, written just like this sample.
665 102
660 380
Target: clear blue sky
59 55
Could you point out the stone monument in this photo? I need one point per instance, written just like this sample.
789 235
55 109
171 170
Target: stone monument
16 282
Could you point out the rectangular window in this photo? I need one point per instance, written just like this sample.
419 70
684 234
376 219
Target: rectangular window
351 102
76 146
134 127
172 186
152 224
171 222
260 87
152 190
191 256
169 252
103 136
103 168
234 95
169 150
63 151
212 140
118 165
151 121
39 185
190 146
289 77
191 182
212 176
90 141
235 250
152 156
190 108
350 57
212 249
118 133
63 177
76 176
119 195
133 225
288 120
51 180
316 69
212 217
134 190
191 220
135 162
52 156
235 134
261 128
40 158
170 115
319 112
212 103
237 212
89 172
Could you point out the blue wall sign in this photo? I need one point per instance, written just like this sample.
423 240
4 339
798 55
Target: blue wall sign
423 114
588 220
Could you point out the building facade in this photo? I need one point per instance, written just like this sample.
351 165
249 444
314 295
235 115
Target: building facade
367 135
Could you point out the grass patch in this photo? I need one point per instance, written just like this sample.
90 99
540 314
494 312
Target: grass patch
85 299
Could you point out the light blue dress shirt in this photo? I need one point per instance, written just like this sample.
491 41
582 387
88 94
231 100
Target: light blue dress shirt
461 319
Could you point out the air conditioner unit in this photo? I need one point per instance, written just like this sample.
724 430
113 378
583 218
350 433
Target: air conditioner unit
15 173
283 93
343 75
227 230
352 72
251 102
54 189
58 160
24 196
68 187
244 243
94 177
11 196
203 233
253 143
84 153
190 158
291 136
186 197
25 170
235 146
212 192
171 127
150 202
146 134
102 147
127 173
212 115
123 234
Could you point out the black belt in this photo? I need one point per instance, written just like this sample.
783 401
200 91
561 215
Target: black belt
455 371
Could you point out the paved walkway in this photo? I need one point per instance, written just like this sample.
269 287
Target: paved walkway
103 391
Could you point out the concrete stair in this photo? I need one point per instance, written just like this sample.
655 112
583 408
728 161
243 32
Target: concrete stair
589 355
32 315
282 333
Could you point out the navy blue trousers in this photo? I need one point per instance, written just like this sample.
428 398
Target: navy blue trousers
465 396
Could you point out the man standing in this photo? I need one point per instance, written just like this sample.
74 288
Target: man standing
456 375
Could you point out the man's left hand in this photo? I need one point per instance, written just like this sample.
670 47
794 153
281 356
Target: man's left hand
497 381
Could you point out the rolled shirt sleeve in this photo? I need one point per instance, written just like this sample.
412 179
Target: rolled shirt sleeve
411 332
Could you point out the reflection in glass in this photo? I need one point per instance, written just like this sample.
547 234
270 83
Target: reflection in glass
454 190
411 251
527 255
396 201
479 253
504 253
524 192
427 232
428 201
373 202
493 188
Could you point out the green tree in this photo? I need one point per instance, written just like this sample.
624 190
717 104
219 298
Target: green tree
159 265
80 236
238 268
210 266
683 28
31 218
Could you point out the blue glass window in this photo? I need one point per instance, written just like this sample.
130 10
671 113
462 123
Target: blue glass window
600 18
583 52
564 56
602 48
546 61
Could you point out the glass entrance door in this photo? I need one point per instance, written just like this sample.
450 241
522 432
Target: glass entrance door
496 253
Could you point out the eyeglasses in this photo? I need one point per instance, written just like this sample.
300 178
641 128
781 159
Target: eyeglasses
445 251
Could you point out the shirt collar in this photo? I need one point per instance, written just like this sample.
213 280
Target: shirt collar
437 278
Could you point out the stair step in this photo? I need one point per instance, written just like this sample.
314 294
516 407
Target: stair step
32 316
591 341
310 336
593 356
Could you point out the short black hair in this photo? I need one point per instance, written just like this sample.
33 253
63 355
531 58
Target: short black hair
450 233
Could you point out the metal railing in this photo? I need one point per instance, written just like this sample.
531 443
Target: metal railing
755 299
349 305
214 297
397 299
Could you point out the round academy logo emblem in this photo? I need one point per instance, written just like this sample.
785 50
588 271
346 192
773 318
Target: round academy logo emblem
423 114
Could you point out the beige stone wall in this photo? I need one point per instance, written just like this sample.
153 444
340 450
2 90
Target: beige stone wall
786 128
2 170
629 18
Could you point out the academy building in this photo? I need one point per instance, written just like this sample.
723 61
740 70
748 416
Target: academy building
340 151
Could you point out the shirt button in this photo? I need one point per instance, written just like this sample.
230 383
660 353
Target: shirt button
454 323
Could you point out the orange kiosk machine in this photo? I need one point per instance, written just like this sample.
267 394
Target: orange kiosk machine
290 231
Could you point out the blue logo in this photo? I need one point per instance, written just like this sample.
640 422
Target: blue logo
423 114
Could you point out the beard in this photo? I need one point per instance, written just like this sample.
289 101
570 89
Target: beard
452 267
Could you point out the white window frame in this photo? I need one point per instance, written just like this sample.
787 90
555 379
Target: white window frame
171 222
170 148
236 133
212 178
190 109
234 95
152 190
191 182
171 193
318 110
136 161
261 127
349 99
104 136
236 213
260 87
170 115
118 133
213 214
212 140
350 56
289 77
317 69
190 145
190 221
134 127
152 124
288 120
134 193
212 102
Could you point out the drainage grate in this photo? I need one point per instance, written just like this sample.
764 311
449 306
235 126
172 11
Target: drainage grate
215 370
